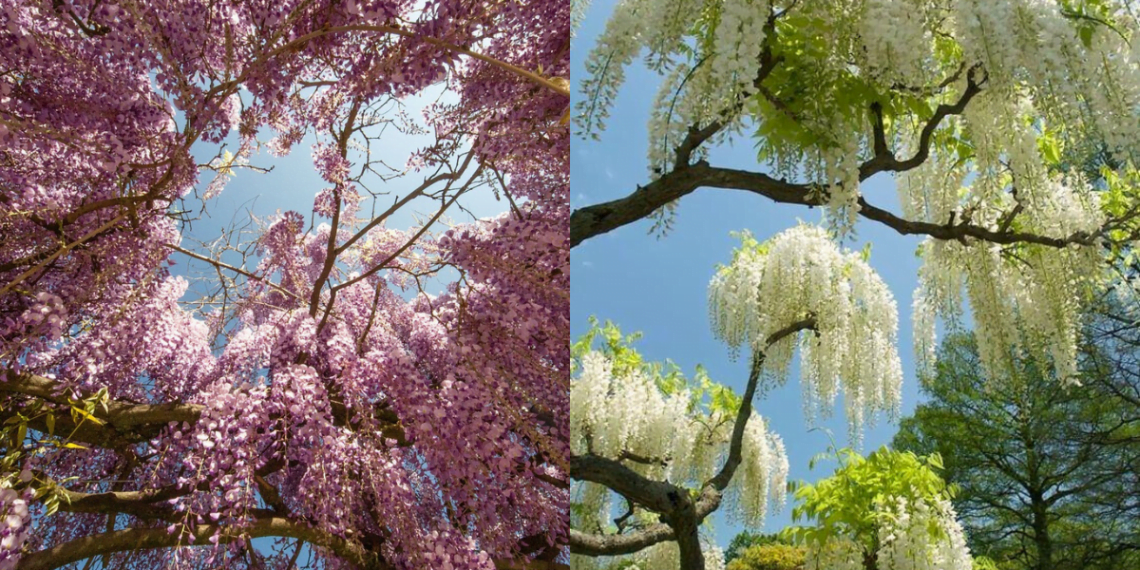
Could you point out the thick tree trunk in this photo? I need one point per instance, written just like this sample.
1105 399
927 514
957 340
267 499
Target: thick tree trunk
1041 538
688 540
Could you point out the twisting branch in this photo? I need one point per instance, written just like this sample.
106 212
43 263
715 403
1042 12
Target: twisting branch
228 267
697 134
265 524
556 84
125 423
885 160
62 250
589 544
683 179
601 218
722 478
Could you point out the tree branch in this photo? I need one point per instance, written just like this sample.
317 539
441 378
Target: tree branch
124 423
885 160
128 423
736 444
591 221
151 538
557 85
616 544
683 179
239 271
658 496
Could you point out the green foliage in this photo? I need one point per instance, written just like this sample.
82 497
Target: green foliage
1087 15
747 539
770 557
844 505
1120 199
1044 484
1050 144
615 346
16 444
984 563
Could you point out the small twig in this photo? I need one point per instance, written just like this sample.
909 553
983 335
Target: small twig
237 270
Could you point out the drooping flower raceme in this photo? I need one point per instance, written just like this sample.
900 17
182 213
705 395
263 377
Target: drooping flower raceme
317 390
667 555
15 522
1025 298
827 62
974 106
921 535
912 535
627 414
798 275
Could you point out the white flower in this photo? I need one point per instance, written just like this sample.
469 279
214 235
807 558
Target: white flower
798 274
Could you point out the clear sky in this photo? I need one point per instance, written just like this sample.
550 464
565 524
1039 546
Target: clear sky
293 184
659 286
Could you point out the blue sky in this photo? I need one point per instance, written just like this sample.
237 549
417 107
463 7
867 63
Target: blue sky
294 182
659 286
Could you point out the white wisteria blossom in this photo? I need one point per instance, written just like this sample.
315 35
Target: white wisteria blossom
1011 129
1027 50
921 535
670 437
912 535
801 274
658 556
1025 299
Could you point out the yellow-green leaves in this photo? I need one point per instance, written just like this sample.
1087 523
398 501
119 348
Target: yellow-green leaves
1051 146
225 166
849 503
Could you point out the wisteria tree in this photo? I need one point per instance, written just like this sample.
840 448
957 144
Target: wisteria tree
989 115
316 398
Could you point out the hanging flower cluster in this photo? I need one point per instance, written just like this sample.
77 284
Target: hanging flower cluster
294 393
922 535
919 535
800 274
1025 298
15 522
626 414
968 102
667 555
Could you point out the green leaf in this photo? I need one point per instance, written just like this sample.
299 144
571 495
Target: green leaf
87 414
1086 34
1050 147
50 420
935 460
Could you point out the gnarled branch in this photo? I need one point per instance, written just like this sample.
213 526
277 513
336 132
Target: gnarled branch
151 538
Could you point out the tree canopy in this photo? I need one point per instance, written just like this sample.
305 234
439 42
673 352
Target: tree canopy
769 557
315 393
1044 469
